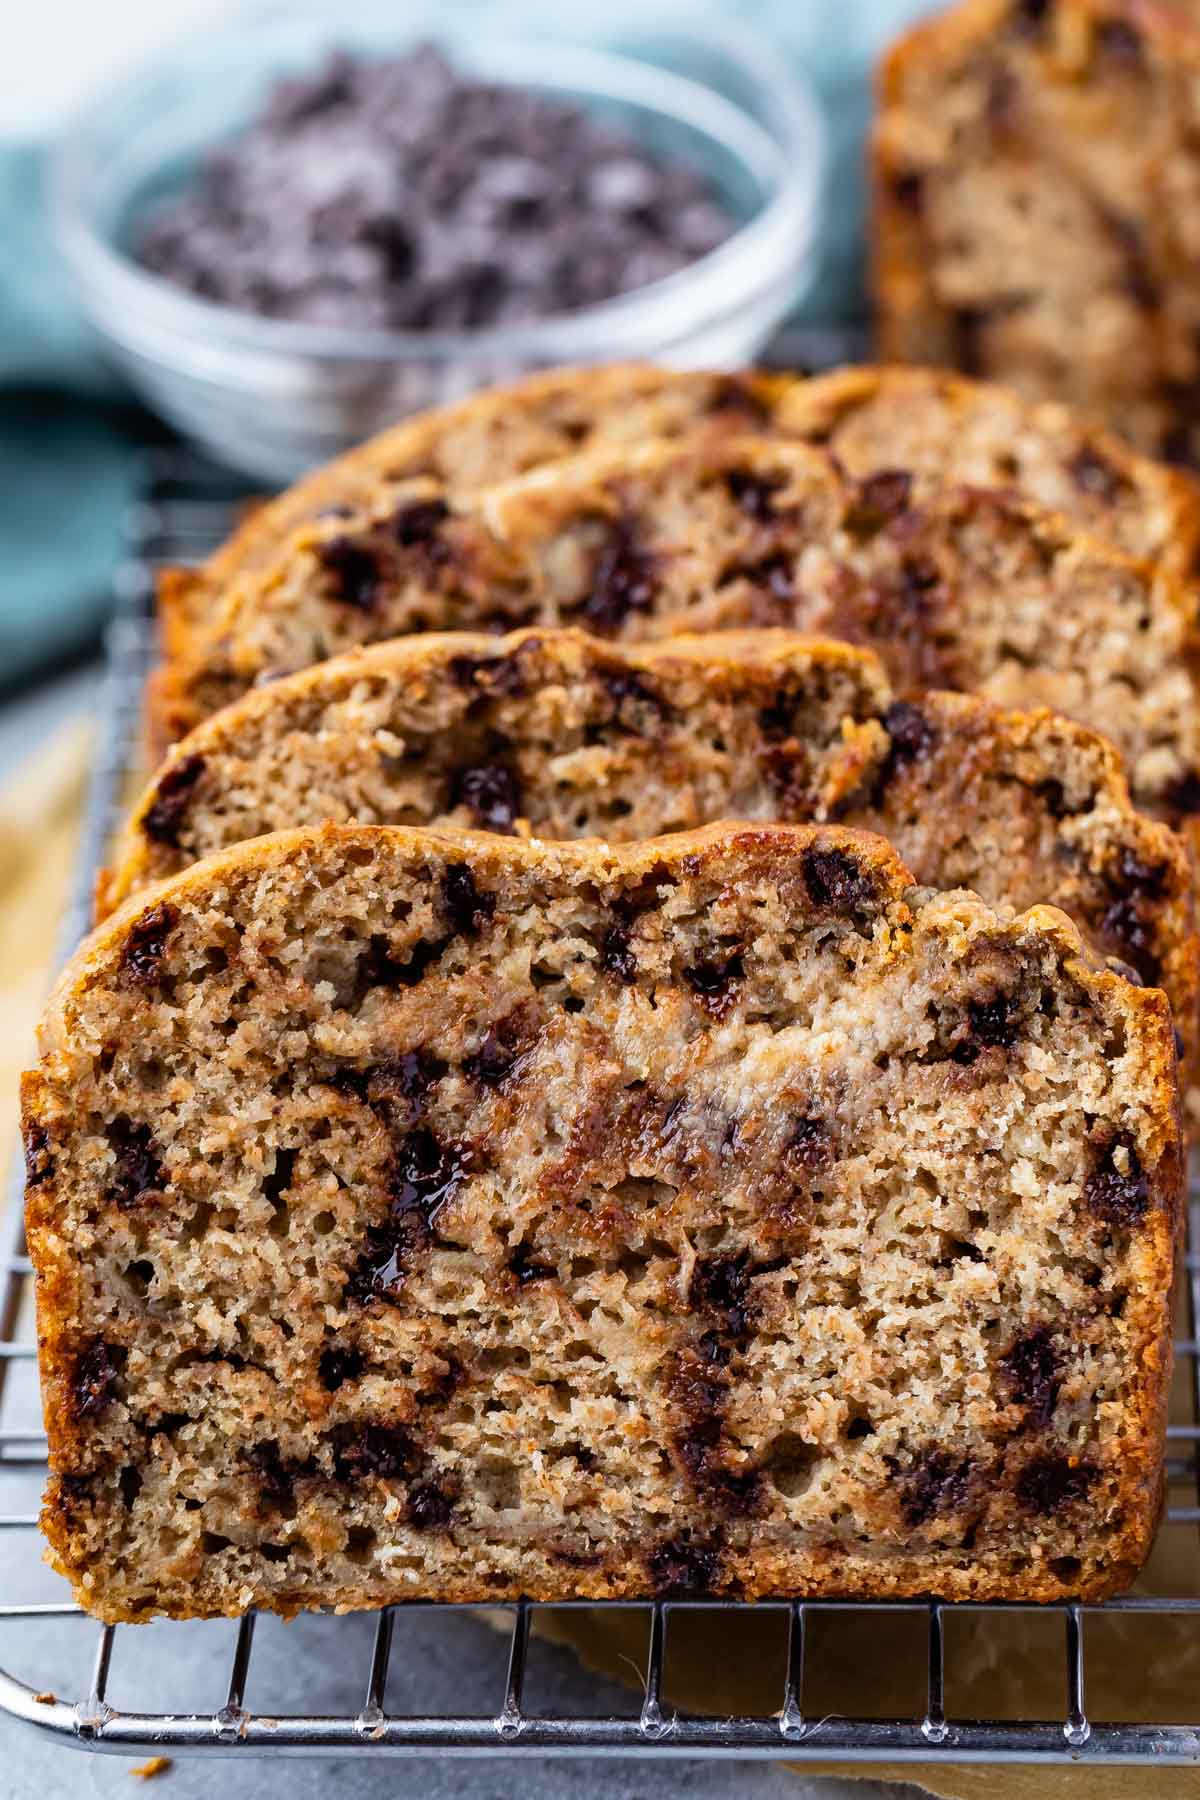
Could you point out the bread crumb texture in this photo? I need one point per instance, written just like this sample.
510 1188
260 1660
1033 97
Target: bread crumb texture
955 587
434 1215
558 735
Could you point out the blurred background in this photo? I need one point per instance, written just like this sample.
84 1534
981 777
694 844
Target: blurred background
73 425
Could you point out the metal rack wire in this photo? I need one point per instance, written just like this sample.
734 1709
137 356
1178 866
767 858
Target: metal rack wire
187 508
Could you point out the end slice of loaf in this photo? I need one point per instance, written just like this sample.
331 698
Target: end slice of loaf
435 1215
935 425
956 587
558 735
1036 170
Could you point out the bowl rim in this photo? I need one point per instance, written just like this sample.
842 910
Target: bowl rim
775 243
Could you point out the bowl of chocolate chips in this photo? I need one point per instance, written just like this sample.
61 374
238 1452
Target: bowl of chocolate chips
296 231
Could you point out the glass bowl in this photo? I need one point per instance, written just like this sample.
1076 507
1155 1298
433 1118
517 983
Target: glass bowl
273 397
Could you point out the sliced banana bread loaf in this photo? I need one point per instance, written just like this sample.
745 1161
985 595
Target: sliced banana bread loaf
960 588
438 1215
1037 168
922 420
560 735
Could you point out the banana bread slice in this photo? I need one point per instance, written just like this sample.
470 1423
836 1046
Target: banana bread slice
1036 172
958 588
930 423
439 1215
563 736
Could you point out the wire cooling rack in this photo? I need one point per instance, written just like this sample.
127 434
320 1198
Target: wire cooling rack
187 508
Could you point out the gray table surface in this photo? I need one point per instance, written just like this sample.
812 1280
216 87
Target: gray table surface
451 1660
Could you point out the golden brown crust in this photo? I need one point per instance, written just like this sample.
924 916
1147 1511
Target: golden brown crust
732 532
1039 1543
628 741
945 428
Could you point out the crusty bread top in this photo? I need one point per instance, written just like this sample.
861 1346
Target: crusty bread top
291 858
956 428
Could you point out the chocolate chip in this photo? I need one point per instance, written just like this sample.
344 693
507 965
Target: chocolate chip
503 1049
722 1284
1183 794
129 1484
417 526
754 494
491 1064
992 1024
789 772
908 192
74 1494
878 500
680 1566
714 982
354 572
1120 41
1139 280
702 1451
616 952
1129 923
526 1267
937 1483
39 1161
137 1173
835 881
94 1377
1053 796
773 575
276 1478
1028 16
778 720
395 193
488 675
339 1364
918 587
1118 1191
913 737
733 394
146 945
969 324
401 1083
492 793
467 908
809 1146
439 1386
1177 445
164 818
1050 1482
379 968
1094 475
426 1174
1032 1368
623 579
635 706
430 1507
372 1449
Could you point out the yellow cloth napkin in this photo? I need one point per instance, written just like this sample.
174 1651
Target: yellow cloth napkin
997 1666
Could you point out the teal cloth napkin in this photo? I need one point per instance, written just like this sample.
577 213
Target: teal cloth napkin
69 443
70 437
